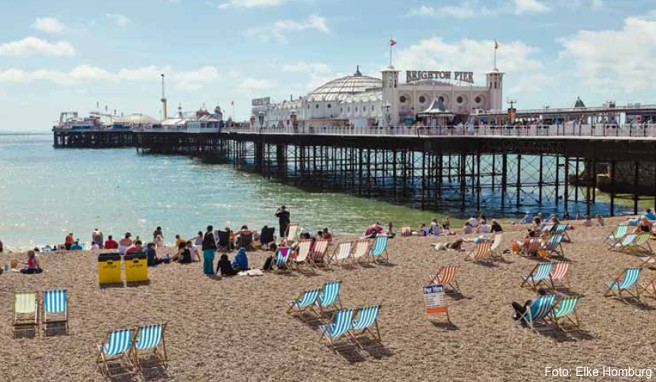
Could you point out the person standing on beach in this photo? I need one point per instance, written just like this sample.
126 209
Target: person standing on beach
283 220
68 241
97 238
2 249
209 249
158 232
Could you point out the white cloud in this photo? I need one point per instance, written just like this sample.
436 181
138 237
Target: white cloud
250 85
616 59
478 8
532 83
306 67
250 3
48 25
33 46
120 20
596 4
276 32
529 6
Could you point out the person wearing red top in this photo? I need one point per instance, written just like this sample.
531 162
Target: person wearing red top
68 241
110 243
135 248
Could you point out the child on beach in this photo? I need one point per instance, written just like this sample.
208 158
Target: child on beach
225 267
32 265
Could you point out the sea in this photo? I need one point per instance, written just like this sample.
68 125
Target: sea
46 193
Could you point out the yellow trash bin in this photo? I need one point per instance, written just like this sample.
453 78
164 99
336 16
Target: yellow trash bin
136 267
109 268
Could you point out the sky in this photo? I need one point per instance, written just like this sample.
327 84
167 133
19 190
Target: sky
72 55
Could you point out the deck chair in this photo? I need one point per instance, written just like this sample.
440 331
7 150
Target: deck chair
117 349
267 235
318 255
625 243
559 272
532 247
447 276
495 249
367 318
222 240
150 340
282 258
25 313
649 287
406 230
361 249
302 252
55 310
481 252
617 236
246 241
341 253
379 251
545 228
329 296
305 301
628 279
538 311
554 245
561 229
563 314
342 323
290 235
541 274
641 244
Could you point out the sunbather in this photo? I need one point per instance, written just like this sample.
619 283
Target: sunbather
240 263
76 246
32 265
110 243
520 309
153 260
136 247
644 225
225 267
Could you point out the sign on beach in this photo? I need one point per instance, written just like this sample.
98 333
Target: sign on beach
434 300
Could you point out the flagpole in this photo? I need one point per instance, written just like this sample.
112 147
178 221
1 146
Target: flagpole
391 47
496 46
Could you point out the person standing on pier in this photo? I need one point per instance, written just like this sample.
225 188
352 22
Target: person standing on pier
209 249
283 220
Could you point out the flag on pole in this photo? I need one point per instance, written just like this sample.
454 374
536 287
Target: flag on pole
392 41
496 44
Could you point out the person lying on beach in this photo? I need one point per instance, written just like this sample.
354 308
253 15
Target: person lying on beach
225 267
240 263
110 243
32 265
520 309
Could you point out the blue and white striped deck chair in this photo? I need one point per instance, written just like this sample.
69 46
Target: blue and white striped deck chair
561 229
539 310
55 309
150 340
379 251
625 243
564 314
329 296
282 257
305 301
341 325
554 246
117 349
545 228
623 283
367 318
540 274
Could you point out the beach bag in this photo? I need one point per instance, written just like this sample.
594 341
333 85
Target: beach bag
542 253
514 246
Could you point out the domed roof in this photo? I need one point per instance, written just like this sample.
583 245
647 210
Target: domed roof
344 87
135 119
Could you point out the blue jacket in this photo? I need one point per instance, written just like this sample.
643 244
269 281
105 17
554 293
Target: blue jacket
241 261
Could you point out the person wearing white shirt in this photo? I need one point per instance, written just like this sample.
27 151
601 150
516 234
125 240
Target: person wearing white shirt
473 222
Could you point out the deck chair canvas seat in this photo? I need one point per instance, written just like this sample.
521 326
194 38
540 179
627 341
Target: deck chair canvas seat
342 253
361 249
281 260
25 313
625 243
55 310
531 248
318 254
624 283
150 340
447 276
379 250
365 321
617 236
482 252
341 325
329 296
302 252
290 235
554 245
222 240
559 272
306 301
537 312
116 350
564 316
541 274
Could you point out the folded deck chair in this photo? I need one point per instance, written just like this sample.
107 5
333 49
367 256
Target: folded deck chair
117 349
617 236
342 322
540 274
495 249
342 253
379 251
55 309
406 230
532 247
305 301
538 311
267 235
222 240
361 249
447 276
302 252
282 257
290 235
318 255
554 245
482 252
625 243
329 296
623 283
150 340
559 272
563 314
367 318
25 312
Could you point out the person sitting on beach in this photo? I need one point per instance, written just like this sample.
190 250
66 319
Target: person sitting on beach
136 247
446 230
225 267
587 222
649 215
76 246
566 216
520 310
446 222
423 230
467 229
184 253
151 253
537 223
600 220
434 228
644 225
496 227
110 243
179 241
198 241
327 235
240 263
473 221
124 243
68 241
373 230
32 265
483 227
95 246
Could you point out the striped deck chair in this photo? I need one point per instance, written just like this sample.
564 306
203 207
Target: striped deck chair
406 230
329 296
318 255
25 313
367 318
539 310
305 301
302 252
559 272
150 340
447 276
649 287
554 245
342 322
55 309
379 251
545 228
290 234
481 252
623 283
617 236
282 257
361 249
625 243
561 229
495 249
117 349
540 274
534 244
563 314
342 253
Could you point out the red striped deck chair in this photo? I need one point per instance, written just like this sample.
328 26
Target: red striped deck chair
482 252
559 273
361 249
531 248
447 276
318 254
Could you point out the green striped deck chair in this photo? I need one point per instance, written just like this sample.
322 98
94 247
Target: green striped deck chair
150 341
538 311
541 274
366 320
55 310
563 314
305 301
341 325
115 354
624 283
615 237
25 313
641 245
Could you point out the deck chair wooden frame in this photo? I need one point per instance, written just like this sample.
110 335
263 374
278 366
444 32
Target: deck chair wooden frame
540 274
447 275
341 253
538 312
306 300
104 359
616 236
641 245
481 253
302 253
340 326
360 250
26 312
331 289
649 288
619 284
625 243
554 245
318 254
563 314
54 308
366 321
154 345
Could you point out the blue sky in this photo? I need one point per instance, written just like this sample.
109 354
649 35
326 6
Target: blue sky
68 55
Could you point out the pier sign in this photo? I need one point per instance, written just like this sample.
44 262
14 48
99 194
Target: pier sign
434 300
417 75
261 101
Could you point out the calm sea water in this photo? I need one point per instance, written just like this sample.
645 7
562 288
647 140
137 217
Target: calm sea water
44 193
